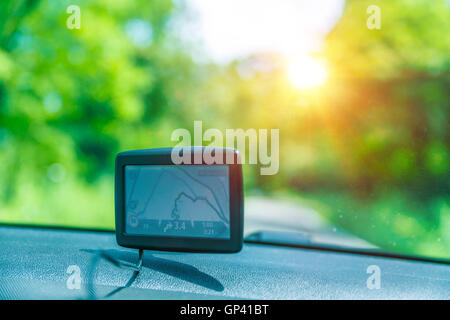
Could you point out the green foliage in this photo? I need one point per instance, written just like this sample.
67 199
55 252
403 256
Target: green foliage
76 97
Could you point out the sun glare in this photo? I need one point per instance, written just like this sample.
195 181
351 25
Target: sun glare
305 72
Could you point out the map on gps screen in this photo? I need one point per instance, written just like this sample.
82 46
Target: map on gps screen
177 201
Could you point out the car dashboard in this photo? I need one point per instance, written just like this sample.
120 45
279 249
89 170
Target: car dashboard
38 263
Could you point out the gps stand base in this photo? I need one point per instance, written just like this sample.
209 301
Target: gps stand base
124 264
118 263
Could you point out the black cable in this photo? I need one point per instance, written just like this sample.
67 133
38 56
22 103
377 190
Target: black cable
116 262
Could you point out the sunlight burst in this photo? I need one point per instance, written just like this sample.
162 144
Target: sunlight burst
305 72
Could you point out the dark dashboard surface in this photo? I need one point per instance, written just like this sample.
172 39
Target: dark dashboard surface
34 264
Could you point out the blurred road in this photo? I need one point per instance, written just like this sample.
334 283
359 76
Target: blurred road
266 214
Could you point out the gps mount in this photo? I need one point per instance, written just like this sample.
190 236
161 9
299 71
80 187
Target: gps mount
175 199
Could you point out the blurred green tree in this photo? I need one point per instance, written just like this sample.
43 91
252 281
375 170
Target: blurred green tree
75 97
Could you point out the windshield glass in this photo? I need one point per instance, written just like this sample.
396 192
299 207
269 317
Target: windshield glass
343 106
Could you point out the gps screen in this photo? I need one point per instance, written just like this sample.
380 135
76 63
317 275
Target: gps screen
177 200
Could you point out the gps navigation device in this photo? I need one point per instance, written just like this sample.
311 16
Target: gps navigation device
195 205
